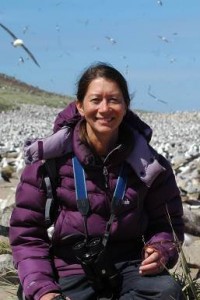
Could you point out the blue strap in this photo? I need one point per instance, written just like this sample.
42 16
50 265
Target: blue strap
80 185
81 191
79 176
120 187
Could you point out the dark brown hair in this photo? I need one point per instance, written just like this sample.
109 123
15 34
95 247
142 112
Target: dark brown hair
104 70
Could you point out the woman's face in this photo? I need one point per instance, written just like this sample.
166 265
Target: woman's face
103 108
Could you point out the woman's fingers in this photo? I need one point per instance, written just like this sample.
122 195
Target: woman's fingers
150 256
152 263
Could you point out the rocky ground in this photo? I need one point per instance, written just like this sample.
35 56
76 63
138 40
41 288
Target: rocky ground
175 135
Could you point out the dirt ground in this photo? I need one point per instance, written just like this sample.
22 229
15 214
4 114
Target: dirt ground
8 293
7 189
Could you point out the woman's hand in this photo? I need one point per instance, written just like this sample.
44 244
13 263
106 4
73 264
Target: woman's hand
153 262
51 296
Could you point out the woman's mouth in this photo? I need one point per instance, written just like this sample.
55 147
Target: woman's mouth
105 120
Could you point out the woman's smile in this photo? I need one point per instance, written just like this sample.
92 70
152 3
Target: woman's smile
104 120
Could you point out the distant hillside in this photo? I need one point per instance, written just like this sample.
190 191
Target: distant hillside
14 92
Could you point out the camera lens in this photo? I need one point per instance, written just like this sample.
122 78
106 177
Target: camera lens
79 249
95 246
79 246
94 242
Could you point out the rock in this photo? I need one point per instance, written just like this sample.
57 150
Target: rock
192 218
6 207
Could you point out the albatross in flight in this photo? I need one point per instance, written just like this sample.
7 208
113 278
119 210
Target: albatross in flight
153 96
18 42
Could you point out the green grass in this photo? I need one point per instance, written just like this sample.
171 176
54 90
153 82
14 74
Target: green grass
5 247
8 278
13 100
13 93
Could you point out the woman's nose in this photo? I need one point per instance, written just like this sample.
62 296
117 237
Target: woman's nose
104 106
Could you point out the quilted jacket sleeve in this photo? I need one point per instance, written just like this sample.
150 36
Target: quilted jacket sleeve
165 231
28 236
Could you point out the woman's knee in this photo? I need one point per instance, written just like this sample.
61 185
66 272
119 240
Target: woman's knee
162 287
170 289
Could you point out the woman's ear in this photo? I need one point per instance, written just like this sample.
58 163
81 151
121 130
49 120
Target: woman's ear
125 111
79 106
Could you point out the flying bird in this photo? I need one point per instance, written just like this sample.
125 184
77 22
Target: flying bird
153 96
18 42
25 29
160 2
113 41
163 38
21 60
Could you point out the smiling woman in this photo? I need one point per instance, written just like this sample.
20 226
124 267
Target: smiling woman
112 238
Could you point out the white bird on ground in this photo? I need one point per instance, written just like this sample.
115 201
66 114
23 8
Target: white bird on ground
19 42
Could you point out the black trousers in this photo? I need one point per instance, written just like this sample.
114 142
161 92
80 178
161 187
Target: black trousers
133 286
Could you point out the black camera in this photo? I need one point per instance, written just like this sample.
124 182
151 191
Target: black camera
101 273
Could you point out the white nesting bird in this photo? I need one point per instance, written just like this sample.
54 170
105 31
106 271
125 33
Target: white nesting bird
19 43
19 163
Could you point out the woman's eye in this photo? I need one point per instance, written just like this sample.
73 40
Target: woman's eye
95 100
114 100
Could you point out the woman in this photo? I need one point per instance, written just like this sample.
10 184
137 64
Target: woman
135 233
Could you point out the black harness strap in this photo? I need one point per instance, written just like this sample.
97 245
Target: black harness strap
50 181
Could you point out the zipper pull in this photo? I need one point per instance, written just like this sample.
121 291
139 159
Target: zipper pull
105 173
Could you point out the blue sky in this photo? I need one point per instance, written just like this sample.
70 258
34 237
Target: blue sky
66 36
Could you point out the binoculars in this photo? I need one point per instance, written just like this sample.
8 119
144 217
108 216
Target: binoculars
100 271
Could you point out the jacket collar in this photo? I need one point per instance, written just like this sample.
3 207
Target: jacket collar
144 160
88 157
138 153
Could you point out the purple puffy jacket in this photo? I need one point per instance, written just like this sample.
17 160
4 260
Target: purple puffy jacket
135 220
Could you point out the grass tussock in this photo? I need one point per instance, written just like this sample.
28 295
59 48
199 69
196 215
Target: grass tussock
5 247
190 286
8 278
182 274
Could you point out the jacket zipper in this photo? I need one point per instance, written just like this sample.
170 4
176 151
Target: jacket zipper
105 173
